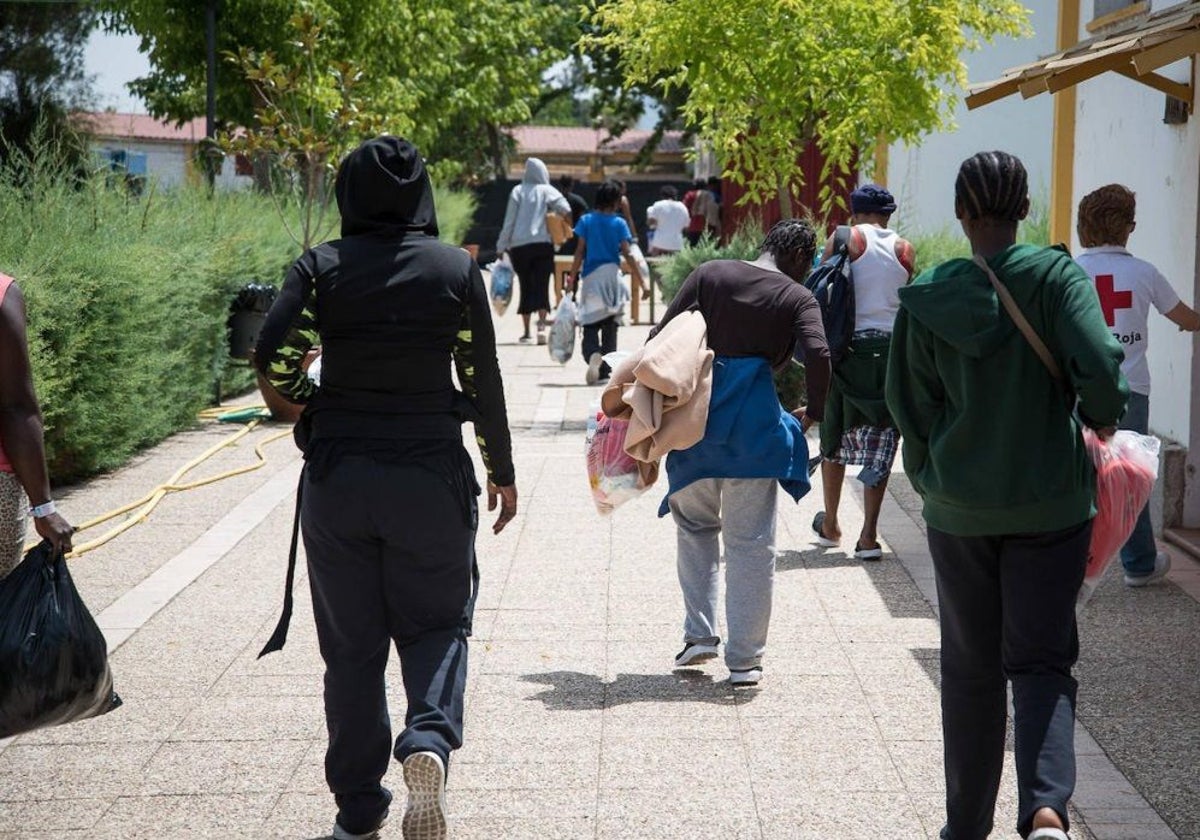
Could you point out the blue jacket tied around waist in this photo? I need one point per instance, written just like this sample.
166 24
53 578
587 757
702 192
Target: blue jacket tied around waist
748 435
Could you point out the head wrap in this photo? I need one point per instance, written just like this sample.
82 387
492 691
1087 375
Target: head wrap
872 198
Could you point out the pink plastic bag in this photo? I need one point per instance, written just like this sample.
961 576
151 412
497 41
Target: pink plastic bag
613 476
1126 469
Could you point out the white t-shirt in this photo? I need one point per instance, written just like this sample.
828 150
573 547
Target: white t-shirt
1126 287
671 218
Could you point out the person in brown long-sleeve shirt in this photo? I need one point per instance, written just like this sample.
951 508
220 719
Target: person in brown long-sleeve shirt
760 317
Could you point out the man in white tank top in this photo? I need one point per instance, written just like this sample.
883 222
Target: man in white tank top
857 429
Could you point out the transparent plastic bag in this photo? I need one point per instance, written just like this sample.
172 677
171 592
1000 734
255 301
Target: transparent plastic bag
562 332
1126 470
502 284
613 476
53 657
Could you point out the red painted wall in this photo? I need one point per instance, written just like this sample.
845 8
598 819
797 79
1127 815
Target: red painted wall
803 200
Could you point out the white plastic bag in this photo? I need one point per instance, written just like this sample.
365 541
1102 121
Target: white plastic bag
635 251
502 283
1126 470
562 332
613 476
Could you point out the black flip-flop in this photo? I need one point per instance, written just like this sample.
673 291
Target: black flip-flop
818 526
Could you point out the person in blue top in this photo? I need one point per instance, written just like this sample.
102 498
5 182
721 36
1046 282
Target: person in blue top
602 239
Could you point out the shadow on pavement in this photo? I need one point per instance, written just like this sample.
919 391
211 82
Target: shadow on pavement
575 691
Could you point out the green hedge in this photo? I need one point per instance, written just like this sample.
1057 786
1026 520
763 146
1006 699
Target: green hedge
128 300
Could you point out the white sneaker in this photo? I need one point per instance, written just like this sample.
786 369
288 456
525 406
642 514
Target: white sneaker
1049 834
340 833
593 372
694 653
425 815
745 679
1162 565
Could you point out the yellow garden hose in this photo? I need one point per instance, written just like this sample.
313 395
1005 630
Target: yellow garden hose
149 502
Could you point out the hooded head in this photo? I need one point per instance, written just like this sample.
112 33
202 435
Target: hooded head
535 173
382 187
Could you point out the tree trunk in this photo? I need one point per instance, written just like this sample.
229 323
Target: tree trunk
785 199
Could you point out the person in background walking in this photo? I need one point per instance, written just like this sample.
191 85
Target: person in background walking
857 429
579 207
759 317
696 218
526 237
667 220
993 448
602 239
389 513
1127 288
23 476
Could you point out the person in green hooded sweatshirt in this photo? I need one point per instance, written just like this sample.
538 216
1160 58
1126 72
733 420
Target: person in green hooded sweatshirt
993 444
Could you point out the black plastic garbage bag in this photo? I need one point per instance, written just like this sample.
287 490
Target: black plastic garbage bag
53 657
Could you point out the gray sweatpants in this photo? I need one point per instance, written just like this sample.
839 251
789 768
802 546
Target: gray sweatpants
742 511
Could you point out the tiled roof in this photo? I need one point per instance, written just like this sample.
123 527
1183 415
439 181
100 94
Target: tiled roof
142 127
550 139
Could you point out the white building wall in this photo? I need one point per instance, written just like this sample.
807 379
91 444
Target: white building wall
169 163
922 177
1120 137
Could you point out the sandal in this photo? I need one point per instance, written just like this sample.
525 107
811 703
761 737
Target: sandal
818 526
861 553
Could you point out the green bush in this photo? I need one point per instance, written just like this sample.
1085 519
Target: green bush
455 210
950 242
128 300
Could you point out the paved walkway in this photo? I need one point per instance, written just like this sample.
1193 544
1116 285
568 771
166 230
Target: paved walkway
577 727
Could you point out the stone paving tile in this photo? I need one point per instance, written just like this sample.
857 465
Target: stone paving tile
69 771
153 817
205 767
787 816
57 815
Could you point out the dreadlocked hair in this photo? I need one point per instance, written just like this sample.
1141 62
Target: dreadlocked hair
992 185
1105 216
791 236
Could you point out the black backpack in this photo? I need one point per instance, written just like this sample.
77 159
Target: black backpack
833 286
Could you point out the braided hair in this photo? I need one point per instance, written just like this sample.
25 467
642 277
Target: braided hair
791 236
1105 216
992 185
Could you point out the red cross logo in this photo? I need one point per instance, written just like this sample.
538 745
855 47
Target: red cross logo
1110 300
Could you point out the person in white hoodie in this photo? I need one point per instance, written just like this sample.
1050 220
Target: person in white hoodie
526 237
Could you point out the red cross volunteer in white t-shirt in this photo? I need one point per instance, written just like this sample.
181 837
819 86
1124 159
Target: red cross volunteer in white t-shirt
1127 287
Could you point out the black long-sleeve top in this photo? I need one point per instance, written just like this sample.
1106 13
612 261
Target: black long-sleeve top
391 314
754 311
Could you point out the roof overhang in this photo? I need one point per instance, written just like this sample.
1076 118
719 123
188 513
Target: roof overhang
1135 49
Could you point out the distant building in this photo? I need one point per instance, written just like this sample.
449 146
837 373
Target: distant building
592 154
146 147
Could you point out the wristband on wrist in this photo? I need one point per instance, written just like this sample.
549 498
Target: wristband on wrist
43 510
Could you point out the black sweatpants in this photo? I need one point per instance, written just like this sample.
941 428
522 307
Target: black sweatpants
534 266
1008 613
391 550
600 337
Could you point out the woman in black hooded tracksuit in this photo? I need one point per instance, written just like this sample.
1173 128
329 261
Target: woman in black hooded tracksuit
388 507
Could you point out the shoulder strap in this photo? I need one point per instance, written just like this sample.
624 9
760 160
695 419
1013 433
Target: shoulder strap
1018 317
841 239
